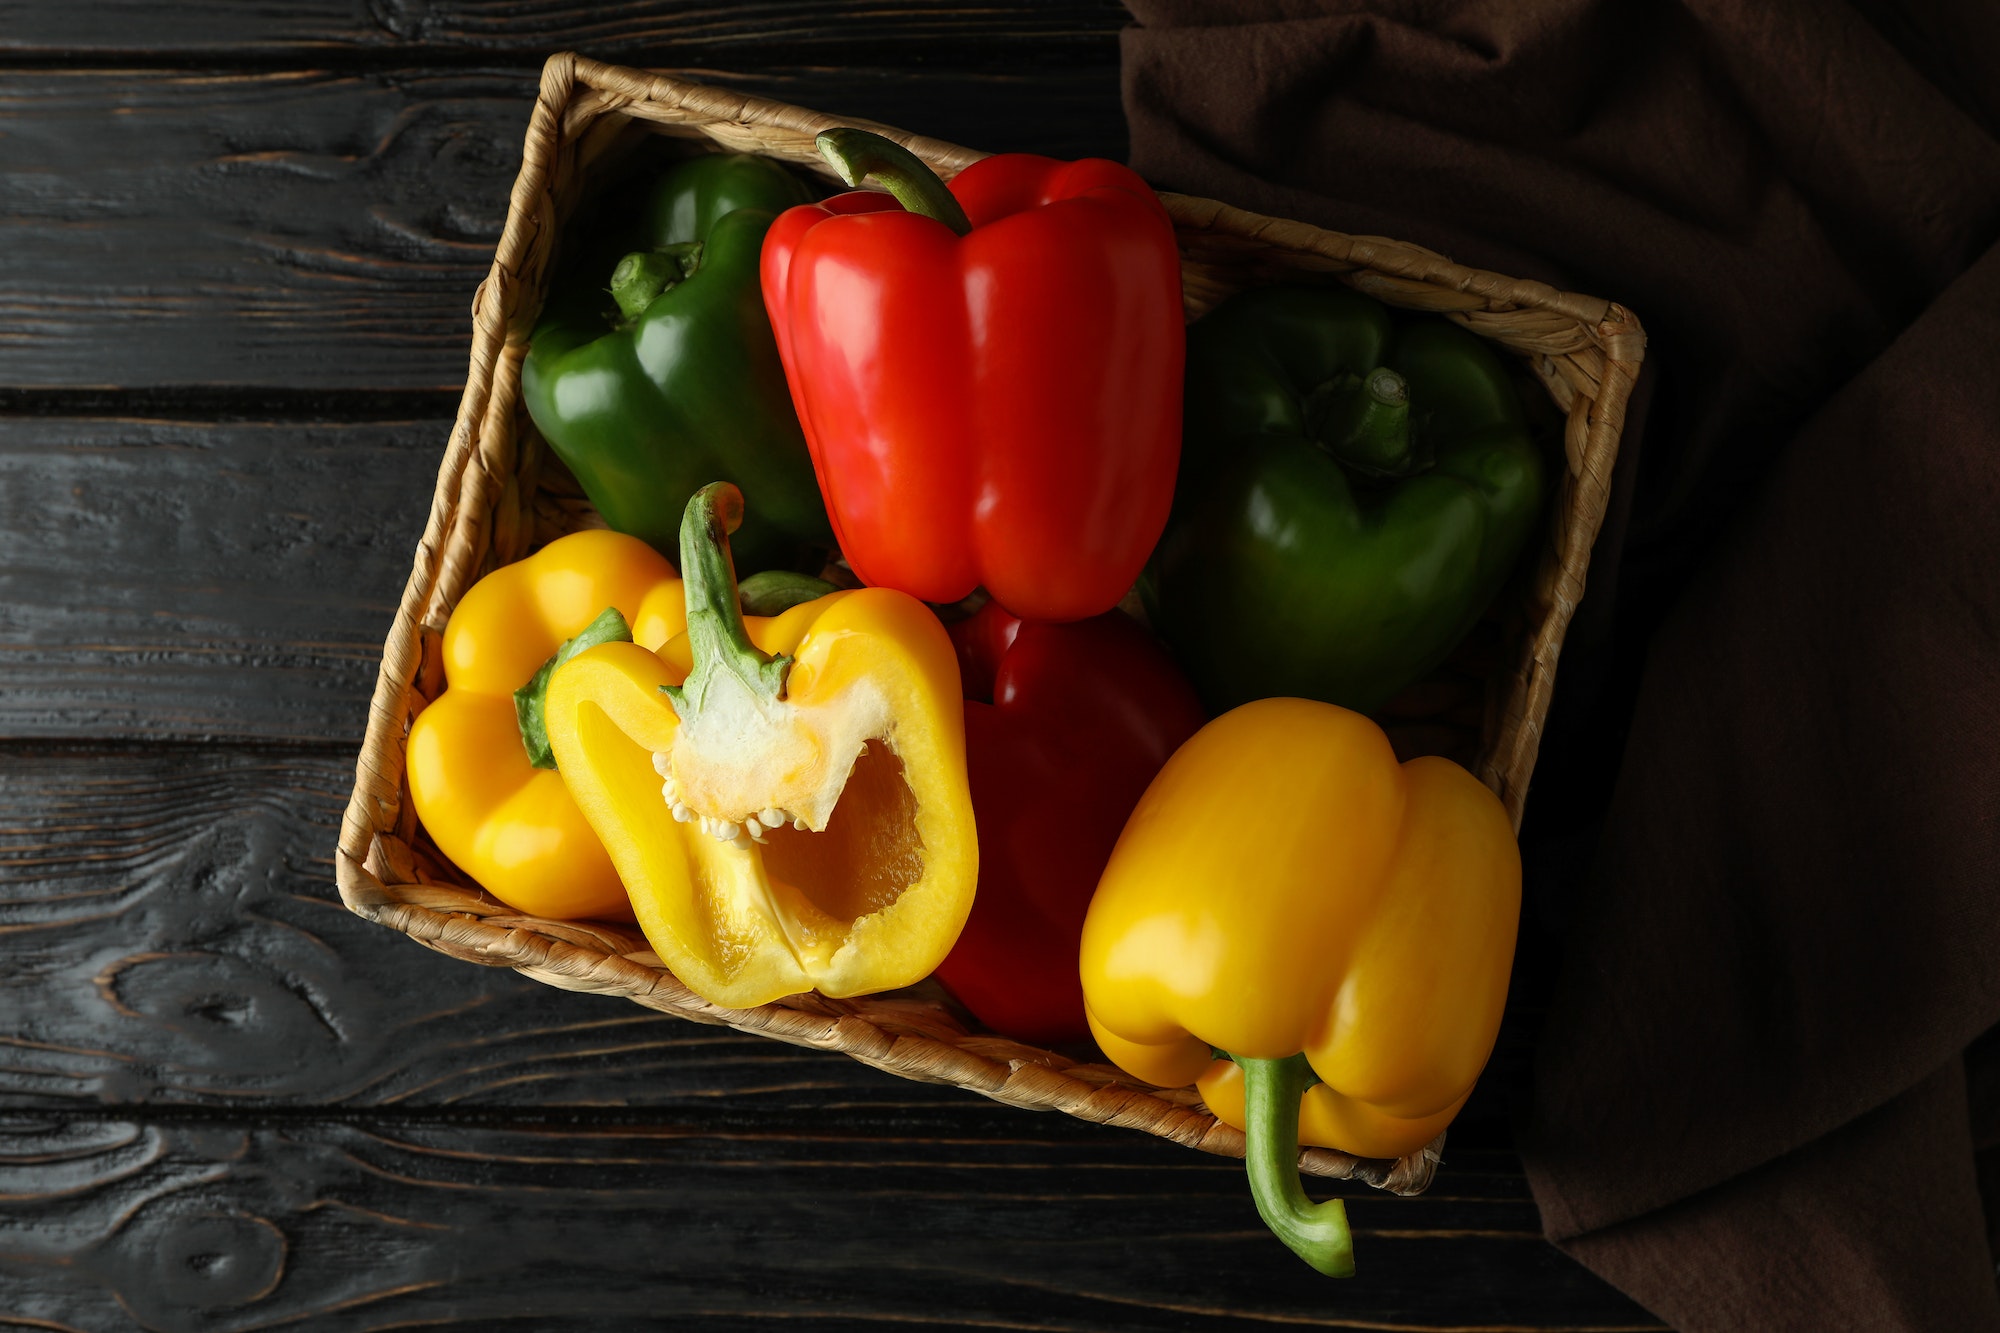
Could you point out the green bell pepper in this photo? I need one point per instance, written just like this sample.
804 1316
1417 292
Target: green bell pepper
655 373
1355 486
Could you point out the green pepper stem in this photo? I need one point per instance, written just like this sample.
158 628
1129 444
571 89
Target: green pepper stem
858 155
531 700
643 275
776 591
1364 421
717 639
1316 1232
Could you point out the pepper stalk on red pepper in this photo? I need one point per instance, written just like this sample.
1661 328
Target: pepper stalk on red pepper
1065 725
988 374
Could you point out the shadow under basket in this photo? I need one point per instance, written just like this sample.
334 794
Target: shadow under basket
500 496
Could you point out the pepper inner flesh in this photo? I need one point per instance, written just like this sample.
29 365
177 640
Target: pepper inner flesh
869 852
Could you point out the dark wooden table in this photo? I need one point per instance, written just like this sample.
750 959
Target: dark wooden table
241 242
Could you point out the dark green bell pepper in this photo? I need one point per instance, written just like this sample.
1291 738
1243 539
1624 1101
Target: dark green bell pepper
653 371
1355 486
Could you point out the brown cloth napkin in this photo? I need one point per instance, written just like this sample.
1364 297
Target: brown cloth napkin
1750 1106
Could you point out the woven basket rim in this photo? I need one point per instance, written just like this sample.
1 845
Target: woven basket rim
1584 347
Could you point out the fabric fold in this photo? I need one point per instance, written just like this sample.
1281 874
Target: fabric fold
1852 1231
1785 666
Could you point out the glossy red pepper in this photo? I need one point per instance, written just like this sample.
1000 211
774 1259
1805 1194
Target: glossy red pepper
991 395
1065 725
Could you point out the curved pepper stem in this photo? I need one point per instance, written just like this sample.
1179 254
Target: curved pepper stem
1316 1232
717 639
858 155
643 275
1364 421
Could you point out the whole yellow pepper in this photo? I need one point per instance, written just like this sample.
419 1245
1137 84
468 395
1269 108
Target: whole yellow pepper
506 822
785 798
1288 893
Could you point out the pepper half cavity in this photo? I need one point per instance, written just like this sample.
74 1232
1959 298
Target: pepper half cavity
784 797
814 795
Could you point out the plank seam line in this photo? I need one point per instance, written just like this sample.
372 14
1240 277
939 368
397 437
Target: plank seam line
913 54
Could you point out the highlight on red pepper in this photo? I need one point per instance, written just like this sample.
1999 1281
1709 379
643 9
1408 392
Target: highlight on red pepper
1065 725
988 374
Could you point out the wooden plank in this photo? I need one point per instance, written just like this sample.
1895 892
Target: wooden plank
216 1075
232 1105
181 579
415 31
315 229
171 935
317 1224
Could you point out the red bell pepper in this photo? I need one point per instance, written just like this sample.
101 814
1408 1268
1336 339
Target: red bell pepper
1065 725
992 393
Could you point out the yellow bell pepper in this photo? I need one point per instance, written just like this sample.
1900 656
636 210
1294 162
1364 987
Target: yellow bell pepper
507 823
1290 895
785 797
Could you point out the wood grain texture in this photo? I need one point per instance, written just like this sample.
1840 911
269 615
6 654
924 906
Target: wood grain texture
320 1224
242 239
171 935
233 1104
318 229
414 31
183 579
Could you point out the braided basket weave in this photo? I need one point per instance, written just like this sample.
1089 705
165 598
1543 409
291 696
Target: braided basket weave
499 497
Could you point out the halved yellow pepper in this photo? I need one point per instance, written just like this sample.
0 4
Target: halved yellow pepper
1288 893
507 823
785 798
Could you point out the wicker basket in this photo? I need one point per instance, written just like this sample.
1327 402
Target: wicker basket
498 498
